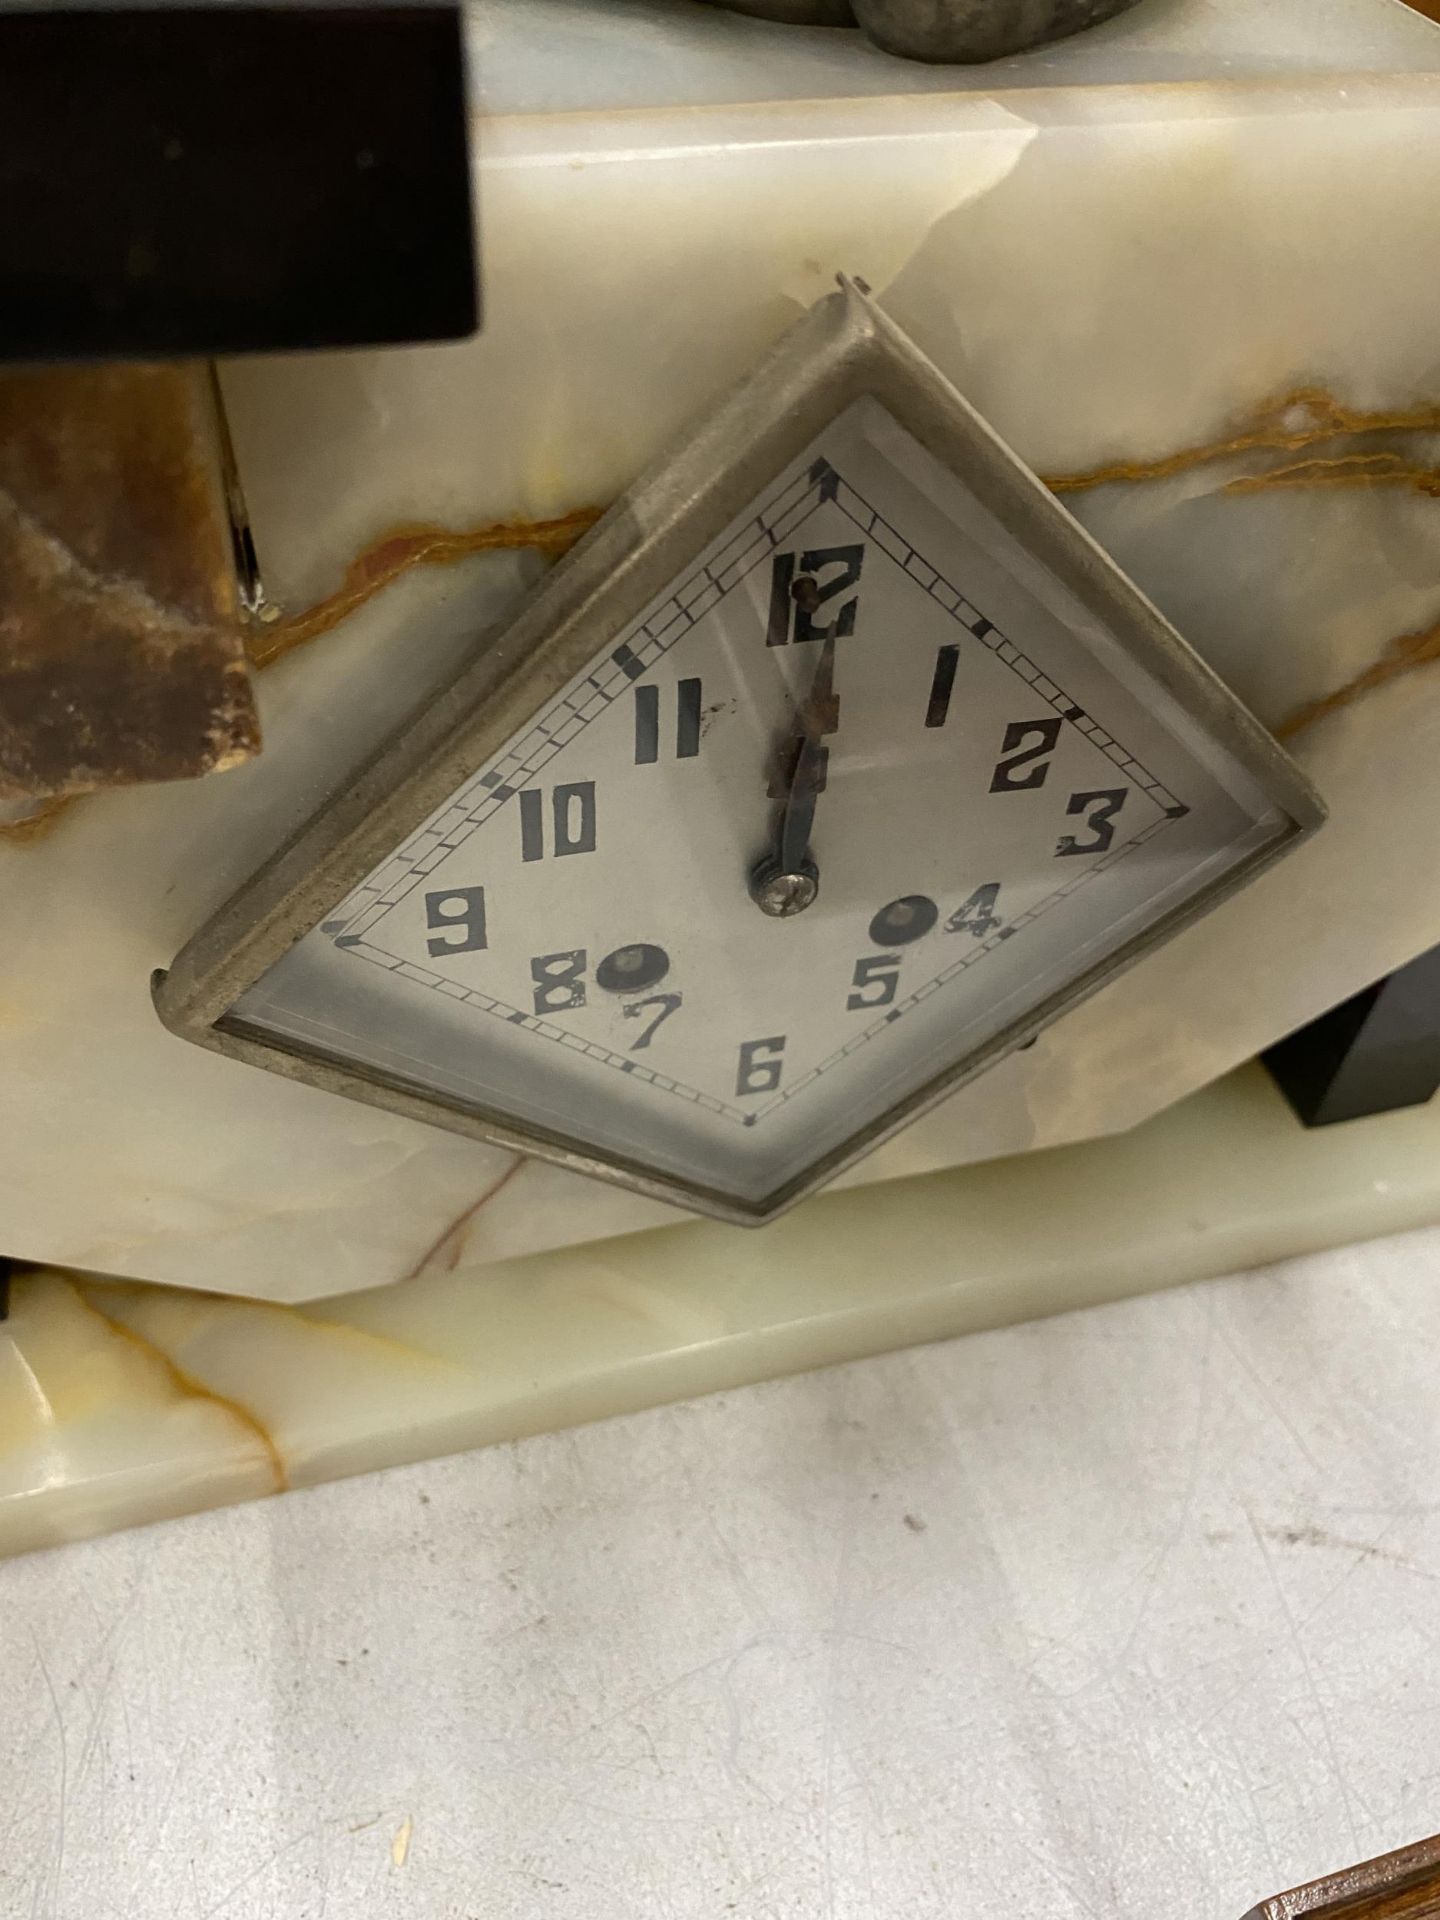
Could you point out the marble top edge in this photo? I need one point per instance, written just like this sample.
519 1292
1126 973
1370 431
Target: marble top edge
523 138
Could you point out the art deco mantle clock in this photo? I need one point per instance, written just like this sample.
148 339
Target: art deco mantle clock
830 768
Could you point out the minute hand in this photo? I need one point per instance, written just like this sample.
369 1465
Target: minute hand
818 716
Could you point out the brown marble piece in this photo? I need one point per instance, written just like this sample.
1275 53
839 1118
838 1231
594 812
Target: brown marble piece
122 656
1398 1886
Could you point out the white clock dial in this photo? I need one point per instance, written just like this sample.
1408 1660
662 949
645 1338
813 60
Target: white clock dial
866 674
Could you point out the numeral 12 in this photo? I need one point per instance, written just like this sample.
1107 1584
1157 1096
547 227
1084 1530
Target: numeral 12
794 601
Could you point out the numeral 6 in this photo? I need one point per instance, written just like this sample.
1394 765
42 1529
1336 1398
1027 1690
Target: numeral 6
760 1065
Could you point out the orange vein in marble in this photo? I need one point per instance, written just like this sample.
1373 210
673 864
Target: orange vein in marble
1297 420
1302 418
186 1384
1344 470
1402 656
452 1240
38 822
379 566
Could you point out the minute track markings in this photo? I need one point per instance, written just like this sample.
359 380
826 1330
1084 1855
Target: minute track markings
916 567
647 642
577 1043
967 960
829 486
481 796
639 652
413 840
592 1049
544 1029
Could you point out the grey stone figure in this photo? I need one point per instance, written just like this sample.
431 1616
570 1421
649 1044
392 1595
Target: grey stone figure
941 30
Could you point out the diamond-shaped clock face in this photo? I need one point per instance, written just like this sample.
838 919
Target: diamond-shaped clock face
864 688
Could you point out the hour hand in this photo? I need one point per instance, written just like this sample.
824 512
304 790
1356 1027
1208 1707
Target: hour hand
787 880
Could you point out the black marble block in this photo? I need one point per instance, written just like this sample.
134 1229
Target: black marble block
194 180
1373 1054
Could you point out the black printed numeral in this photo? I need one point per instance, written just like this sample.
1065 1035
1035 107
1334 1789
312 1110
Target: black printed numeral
668 1003
875 981
947 659
797 596
1043 735
647 722
1099 810
559 980
760 1065
572 820
463 910
977 915
560 983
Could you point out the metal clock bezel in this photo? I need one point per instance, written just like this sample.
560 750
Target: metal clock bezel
843 348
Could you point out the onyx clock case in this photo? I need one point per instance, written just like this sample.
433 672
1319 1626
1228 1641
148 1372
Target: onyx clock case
832 766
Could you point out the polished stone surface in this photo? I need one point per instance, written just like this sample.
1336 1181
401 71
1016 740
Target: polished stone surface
122 1403
1184 272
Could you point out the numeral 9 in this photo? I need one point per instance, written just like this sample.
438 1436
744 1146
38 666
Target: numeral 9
462 909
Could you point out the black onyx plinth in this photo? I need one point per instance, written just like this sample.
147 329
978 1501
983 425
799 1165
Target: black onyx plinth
1373 1054
198 180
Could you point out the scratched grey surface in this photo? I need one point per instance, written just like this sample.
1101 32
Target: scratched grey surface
1133 1613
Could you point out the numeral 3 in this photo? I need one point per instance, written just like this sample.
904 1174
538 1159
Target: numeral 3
1100 810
